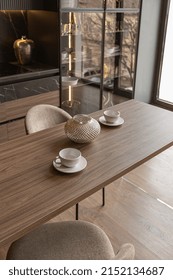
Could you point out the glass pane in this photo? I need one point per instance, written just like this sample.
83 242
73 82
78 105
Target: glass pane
123 4
90 3
165 90
120 50
71 4
81 59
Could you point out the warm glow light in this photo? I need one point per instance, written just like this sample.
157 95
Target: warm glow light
69 41
70 57
69 94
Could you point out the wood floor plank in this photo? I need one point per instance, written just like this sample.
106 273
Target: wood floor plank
156 177
130 215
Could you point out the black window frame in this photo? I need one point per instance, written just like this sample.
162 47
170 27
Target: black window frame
159 58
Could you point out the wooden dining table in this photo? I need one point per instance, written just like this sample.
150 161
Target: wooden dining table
32 191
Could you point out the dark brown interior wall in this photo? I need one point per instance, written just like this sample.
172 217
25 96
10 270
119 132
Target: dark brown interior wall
13 24
43 30
40 26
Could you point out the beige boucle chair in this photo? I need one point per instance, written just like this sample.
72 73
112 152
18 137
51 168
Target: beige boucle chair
44 116
69 240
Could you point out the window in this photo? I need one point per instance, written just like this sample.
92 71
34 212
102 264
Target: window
164 94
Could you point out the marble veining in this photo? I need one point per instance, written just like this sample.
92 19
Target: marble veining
28 88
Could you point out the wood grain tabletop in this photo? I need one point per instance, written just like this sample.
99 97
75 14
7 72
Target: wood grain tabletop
32 191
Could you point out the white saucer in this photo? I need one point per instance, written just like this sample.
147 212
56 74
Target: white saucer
80 166
118 122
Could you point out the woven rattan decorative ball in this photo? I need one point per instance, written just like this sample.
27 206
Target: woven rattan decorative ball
82 128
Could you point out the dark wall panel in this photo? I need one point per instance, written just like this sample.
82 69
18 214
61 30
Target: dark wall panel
13 25
42 28
21 4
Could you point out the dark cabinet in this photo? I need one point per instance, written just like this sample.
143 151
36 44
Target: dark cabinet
89 47
50 5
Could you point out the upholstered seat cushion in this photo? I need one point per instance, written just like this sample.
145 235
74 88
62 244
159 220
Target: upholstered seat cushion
63 240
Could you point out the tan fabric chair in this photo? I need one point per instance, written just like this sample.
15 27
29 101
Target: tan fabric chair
70 240
44 116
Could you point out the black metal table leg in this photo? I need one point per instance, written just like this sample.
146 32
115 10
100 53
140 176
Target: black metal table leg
77 211
103 196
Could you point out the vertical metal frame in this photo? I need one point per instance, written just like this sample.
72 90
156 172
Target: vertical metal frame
160 53
102 53
137 47
59 46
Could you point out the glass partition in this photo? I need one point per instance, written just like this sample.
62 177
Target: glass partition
121 34
112 4
81 63
98 46
82 4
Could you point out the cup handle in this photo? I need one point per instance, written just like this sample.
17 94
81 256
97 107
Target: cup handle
57 160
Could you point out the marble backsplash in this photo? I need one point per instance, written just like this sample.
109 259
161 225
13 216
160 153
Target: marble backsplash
15 91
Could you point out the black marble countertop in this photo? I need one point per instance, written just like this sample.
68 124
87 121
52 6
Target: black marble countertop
12 72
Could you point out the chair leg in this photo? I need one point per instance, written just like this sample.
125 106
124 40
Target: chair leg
103 203
77 211
103 196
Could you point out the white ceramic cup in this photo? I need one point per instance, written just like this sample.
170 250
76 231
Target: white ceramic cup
111 115
69 157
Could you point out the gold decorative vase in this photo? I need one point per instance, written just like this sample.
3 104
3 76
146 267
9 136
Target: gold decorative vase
23 49
82 128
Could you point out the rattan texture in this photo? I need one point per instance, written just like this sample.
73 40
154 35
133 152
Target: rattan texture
82 128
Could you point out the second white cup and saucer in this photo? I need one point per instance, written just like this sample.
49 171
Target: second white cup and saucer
69 160
111 118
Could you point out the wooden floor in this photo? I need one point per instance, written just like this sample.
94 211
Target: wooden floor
139 207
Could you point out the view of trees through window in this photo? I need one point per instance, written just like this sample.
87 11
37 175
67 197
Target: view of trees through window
121 32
